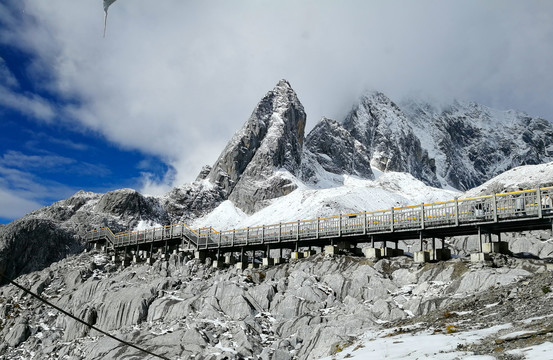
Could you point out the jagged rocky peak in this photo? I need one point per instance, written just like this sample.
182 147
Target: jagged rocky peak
472 143
381 126
332 147
262 155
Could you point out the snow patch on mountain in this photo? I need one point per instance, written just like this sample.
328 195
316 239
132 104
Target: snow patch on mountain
525 177
353 195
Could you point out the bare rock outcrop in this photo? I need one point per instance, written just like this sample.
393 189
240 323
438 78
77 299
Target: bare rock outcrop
254 165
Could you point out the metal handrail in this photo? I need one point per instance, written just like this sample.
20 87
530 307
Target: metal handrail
480 209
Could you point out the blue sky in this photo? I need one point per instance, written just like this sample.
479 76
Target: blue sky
44 159
159 97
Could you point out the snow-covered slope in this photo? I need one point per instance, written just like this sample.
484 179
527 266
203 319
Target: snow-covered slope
353 195
525 177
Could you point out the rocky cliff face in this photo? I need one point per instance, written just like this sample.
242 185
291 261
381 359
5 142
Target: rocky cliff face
330 146
471 143
253 166
380 125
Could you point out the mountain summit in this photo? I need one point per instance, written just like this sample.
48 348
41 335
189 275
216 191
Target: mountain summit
258 162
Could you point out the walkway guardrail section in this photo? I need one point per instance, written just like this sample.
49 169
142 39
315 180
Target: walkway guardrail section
484 209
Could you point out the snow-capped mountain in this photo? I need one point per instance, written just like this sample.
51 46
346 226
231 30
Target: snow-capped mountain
260 160
471 143
380 125
338 168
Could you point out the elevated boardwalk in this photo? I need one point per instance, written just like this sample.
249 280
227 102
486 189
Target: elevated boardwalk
491 214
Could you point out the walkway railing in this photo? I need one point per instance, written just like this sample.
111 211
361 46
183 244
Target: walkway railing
477 210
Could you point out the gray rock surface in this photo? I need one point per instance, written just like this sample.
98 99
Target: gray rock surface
380 125
249 170
182 309
334 149
471 143
18 333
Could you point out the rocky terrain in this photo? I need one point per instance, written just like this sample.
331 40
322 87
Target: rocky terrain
306 309
381 155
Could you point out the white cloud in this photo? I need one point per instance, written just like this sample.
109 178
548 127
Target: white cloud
175 79
27 104
22 161
13 205
6 77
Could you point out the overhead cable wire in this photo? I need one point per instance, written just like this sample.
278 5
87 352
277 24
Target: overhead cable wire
40 298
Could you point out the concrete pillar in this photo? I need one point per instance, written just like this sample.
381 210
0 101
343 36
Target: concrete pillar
308 253
229 259
218 263
331 250
295 255
421 257
278 260
387 252
500 247
478 257
125 262
372 253
241 265
480 238
268 261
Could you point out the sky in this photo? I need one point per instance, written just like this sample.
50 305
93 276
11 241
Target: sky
160 95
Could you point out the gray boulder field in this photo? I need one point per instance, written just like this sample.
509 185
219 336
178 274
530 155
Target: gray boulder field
183 309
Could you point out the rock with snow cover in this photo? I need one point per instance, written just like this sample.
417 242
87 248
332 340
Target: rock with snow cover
336 151
254 165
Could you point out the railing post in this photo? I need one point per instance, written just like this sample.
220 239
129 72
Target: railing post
318 227
495 216
538 202
340 226
422 216
247 234
263 234
456 211
298 231
220 238
392 219
365 223
232 239
279 232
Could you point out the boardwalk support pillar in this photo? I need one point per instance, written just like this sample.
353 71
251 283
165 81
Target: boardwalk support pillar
421 257
372 253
